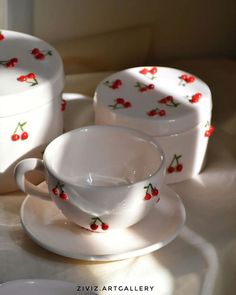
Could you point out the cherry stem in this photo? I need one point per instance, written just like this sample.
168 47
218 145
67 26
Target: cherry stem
175 158
148 187
19 125
95 219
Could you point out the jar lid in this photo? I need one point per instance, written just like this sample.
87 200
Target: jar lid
31 73
156 100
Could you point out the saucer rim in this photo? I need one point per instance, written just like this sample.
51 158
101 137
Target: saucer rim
109 257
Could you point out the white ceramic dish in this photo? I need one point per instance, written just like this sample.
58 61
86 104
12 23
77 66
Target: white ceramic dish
32 80
39 287
172 106
100 177
46 225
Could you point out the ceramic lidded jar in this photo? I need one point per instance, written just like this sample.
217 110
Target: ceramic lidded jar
31 83
171 105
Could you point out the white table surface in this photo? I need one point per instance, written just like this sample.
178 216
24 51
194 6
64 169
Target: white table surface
202 260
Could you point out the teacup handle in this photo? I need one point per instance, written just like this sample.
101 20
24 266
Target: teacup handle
19 173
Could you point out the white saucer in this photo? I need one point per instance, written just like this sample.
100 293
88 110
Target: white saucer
38 287
46 225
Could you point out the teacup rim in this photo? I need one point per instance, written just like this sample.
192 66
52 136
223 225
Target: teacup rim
132 130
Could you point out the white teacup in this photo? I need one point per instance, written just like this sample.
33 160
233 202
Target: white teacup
101 177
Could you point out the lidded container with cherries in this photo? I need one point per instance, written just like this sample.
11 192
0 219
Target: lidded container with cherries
171 105
31 83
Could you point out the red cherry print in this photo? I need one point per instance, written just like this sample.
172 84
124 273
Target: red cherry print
143 89
163 100
35 51
120 100
63 196
151 86
105 226
40 56
15 137
63 105
198 95
127 104
1 36
144 71
56 191
169 98
207 133
184 77
162 113
118 82
94 226
152 113
170 169
22 78
211 129
190 79
114 86
24 135
179 167
31 76
194 99
14 60
155 191
153 70
9 64
147 197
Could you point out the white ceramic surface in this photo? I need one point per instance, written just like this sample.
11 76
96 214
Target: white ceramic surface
32 80
18 94
172 106
46 225
38 287
101 177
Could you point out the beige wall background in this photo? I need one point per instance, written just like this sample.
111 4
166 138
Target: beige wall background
183 28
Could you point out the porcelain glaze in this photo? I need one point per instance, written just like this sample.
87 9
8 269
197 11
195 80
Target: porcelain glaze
172 106
32 80
101 177
40 220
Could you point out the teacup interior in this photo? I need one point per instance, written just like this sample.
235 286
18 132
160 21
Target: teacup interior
103 156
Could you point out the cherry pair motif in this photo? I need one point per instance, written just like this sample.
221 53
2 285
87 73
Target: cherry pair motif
150 192
116 84
149 73
96 222
63 105
40 54
195 97
59 191
156 112
178 166
209 131
144 87
1 36
169 101
186 79
120 103
24 134
10 63
30 78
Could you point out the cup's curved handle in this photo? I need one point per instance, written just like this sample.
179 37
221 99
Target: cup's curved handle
19 173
